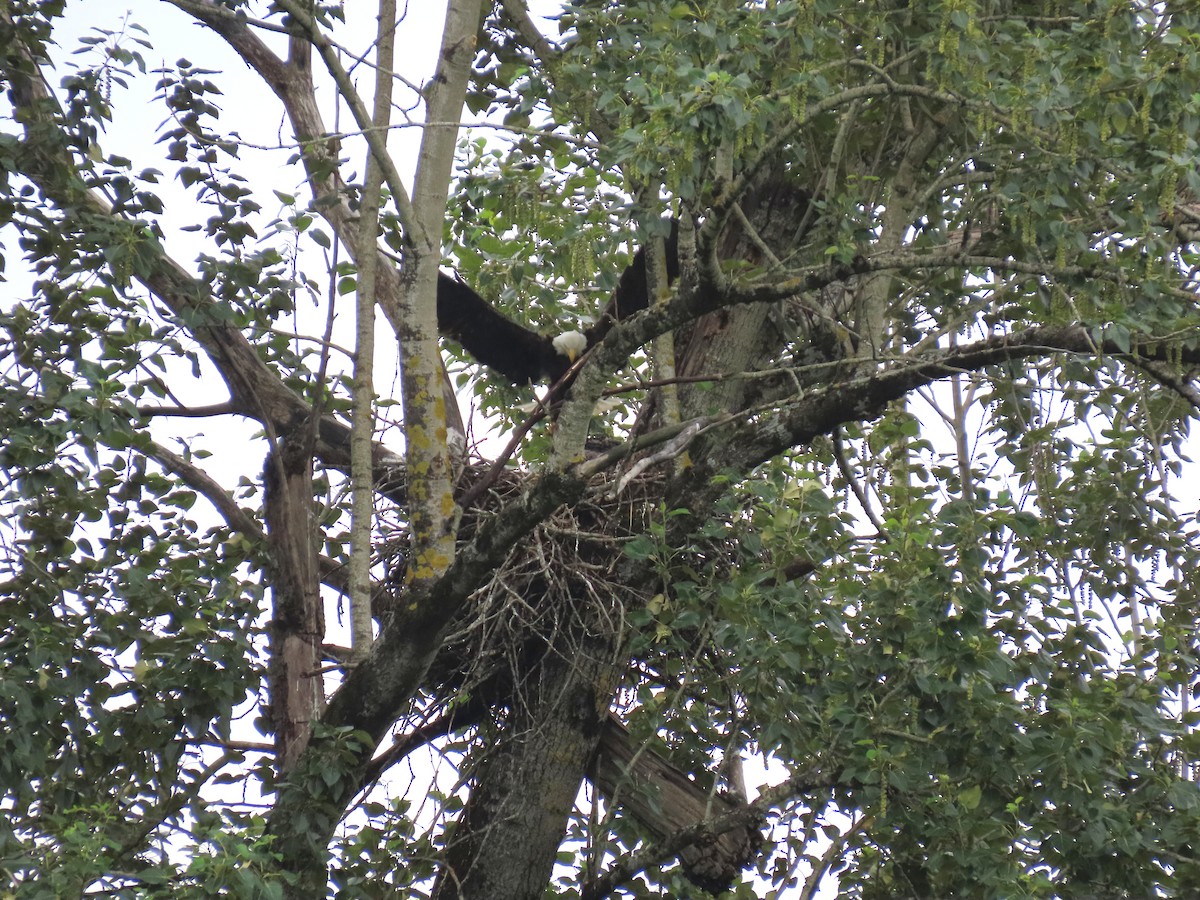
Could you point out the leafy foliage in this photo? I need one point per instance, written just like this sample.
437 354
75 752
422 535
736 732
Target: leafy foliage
926 556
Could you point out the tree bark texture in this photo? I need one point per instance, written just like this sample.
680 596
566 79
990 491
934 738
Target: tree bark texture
664 800
298 619
525 785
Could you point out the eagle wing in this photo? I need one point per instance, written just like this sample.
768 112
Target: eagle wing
518 353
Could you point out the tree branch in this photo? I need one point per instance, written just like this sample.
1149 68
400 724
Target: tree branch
818 413
812 778
237 518
362 506
376 137
255 390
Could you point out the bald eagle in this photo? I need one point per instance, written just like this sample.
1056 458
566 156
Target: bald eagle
510 349
522 355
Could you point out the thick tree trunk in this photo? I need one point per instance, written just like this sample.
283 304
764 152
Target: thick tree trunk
525 786
298 619
743 338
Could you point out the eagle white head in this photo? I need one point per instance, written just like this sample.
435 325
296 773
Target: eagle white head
570 344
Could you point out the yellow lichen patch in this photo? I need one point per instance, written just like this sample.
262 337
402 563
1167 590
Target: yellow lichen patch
418 437
429 563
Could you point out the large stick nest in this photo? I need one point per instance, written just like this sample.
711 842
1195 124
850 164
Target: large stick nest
563 580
